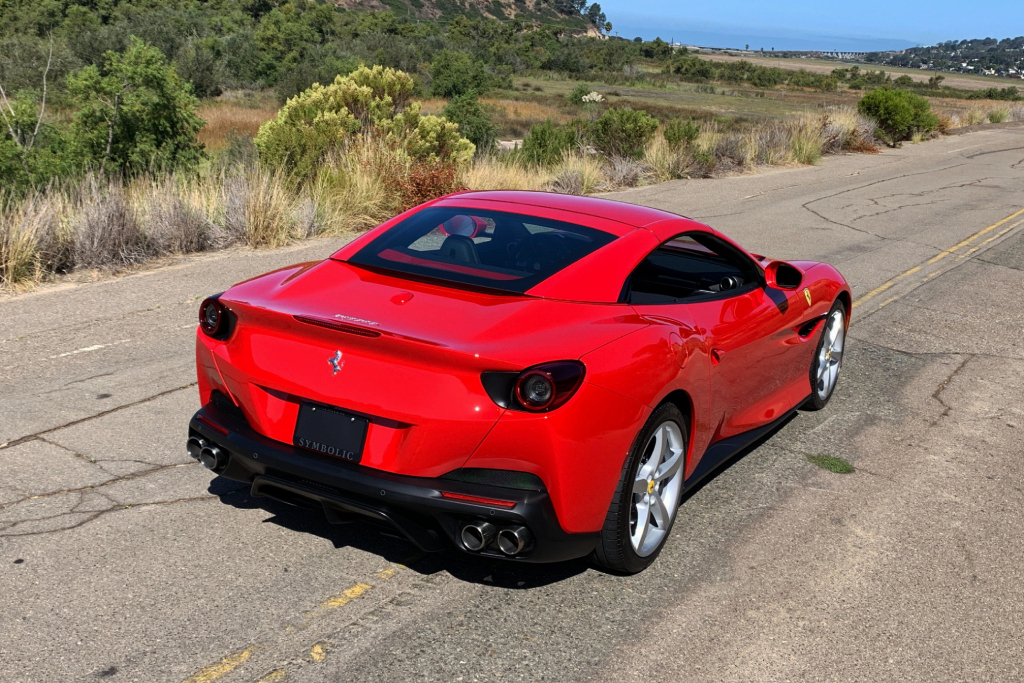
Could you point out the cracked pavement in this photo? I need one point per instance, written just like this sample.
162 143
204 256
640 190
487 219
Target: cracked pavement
121 559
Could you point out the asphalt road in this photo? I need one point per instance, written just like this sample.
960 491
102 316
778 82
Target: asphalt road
122 560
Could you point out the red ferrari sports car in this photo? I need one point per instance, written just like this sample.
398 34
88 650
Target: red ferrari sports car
522 375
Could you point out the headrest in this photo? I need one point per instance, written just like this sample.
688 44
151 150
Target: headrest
466 226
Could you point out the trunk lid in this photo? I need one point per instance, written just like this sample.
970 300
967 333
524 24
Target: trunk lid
410 359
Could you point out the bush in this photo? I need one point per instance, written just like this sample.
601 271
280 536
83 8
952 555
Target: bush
474 121
623 132
547 143
374 102
678 132
456 73
998 115
578 93
318 66
898 113
136 114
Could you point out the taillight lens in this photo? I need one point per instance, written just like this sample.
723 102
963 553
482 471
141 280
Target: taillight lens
546 387
212 317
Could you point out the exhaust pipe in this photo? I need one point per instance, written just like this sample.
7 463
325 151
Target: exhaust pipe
513 539
195 446
212 457
478 535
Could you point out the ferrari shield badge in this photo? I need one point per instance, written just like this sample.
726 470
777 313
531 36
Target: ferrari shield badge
807 295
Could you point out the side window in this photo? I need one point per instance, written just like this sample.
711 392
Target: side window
687 267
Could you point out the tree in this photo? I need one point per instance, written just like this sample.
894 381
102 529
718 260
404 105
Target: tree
17 123
474 121
456 73
135 114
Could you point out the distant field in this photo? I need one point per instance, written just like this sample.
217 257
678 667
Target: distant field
732 101
964 81
234 113
538 99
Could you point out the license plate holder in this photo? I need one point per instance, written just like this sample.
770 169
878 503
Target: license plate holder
331 432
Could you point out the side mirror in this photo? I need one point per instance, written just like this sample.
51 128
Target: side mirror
781 275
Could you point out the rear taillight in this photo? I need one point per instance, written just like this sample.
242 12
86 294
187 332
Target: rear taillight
214 319
546 387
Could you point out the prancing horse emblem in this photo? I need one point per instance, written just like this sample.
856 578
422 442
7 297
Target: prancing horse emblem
335 362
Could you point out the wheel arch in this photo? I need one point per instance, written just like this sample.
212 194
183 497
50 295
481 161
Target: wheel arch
681 399
844 296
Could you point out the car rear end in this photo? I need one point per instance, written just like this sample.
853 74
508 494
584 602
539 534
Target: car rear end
367 393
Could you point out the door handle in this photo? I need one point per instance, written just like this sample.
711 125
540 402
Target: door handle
716 355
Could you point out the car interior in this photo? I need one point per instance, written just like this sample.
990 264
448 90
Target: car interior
690 267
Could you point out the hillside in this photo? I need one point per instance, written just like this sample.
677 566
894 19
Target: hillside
986 56
547 12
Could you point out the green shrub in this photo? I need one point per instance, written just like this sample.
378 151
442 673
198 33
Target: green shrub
898 113
456 73
474 121
372 101
678 132
692 68
136 114
998 115
578 93
623 132
547 143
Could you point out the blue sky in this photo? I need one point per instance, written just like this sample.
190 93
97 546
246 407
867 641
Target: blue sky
806 25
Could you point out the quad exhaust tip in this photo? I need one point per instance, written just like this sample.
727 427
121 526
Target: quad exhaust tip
195 446
478 535
513 539
212 457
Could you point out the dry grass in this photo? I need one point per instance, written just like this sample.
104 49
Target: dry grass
666 162
351 189
504 173
514 117
224 119
30 232
578 173
998 115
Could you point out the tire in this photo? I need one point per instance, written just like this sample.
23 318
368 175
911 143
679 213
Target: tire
618 549
823 384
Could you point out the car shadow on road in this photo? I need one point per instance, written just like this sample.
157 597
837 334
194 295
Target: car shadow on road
392 546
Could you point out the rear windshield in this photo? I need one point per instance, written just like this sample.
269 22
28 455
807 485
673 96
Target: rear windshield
493 249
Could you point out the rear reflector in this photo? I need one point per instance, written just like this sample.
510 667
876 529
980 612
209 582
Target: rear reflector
211 424
508 504
337 326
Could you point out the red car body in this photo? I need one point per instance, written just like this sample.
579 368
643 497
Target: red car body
408 354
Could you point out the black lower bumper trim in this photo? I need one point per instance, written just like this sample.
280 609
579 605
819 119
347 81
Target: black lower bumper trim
412 505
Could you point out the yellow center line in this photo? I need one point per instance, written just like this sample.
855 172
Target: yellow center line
223 668
990 239
941 255
318 652
878 290
973 237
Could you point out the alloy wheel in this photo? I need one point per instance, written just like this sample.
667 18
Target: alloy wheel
656 488
830 357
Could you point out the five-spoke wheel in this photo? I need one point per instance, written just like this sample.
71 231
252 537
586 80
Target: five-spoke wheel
828 358
656 488
647 499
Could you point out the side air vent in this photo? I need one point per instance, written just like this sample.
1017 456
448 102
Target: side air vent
337 326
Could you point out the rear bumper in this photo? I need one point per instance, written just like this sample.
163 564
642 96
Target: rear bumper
412 505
